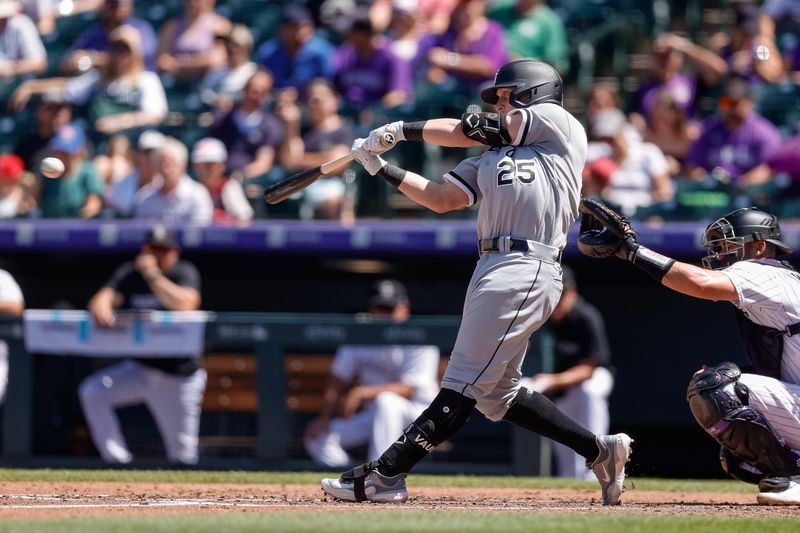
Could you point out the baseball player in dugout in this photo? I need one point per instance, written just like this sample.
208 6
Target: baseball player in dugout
754 412
374 391
171 387
581 380
528 184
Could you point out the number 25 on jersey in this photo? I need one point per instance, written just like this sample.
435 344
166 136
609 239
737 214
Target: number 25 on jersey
508 168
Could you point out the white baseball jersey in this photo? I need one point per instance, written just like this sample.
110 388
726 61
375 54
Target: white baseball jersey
530 191
9 292
769 295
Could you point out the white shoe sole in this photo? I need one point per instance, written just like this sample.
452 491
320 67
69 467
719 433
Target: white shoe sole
774 498
329 487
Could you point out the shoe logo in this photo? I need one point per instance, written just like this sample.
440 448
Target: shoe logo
605 478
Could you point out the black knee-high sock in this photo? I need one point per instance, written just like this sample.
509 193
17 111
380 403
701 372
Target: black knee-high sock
534 412
447 414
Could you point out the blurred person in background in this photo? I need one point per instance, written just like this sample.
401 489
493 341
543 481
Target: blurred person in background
51 112
374 391
296 56
581 380
433 15
367 73
117 162
121 196
639 175
669 128
733 146
79 192
174 197
326 137
745 49
188 46
11 305
21 50
92 47
405 31
252 134
209 159
121 96
533 30
43 13
222 87
470 51
171 387
15 197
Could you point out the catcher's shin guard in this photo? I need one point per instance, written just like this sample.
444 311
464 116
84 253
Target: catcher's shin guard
719 403
444 416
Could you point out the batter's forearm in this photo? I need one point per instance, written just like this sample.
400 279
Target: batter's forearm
440 131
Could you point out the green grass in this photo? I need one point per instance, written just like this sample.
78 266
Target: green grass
299 478
404 522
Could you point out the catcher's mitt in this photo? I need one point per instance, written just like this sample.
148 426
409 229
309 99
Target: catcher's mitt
604 232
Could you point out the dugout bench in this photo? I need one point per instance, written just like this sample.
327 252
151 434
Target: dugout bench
263 362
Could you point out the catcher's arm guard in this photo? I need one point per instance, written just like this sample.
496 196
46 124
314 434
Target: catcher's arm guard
604 233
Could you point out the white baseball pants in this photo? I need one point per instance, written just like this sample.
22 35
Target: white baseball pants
779 403
377 425
174 401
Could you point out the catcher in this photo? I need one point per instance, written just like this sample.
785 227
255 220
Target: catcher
755 416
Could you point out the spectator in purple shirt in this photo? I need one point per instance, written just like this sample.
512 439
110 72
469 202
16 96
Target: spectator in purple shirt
367 72
471 50
252 135
735 145
90 49
296 55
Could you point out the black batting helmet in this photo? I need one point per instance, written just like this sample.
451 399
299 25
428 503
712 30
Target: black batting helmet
534 82
735 230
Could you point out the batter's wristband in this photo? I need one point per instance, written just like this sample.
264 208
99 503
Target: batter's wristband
392 174
652 263
412 131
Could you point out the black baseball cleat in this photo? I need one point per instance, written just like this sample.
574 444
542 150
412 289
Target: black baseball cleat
365 483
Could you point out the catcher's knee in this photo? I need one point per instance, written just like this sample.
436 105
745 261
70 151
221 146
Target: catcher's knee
720 404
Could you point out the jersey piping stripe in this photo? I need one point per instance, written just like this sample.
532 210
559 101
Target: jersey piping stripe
499 344
463 185
528 114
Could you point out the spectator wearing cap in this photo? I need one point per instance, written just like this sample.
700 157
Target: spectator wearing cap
188 46
121 97
296 56
533 30
367 72
638 174
14 198
51 112
174 198
79 192
470 51
222 87
734 145
92 48
252 135
746 50
21 50
209 159
121 196
373 391
581 379
171 387
326 137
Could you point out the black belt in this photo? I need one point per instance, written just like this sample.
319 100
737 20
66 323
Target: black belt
517 245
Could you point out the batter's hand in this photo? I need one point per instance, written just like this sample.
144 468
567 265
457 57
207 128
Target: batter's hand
375 140
371 163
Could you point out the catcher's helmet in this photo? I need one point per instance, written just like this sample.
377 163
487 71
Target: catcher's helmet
534 82
737 228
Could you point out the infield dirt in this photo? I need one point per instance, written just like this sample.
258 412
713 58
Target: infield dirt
59 499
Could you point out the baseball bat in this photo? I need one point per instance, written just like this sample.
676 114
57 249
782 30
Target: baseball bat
277 192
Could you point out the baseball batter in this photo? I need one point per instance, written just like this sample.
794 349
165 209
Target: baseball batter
754 415
528 184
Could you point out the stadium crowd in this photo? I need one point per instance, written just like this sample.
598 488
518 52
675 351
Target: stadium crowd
183 111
